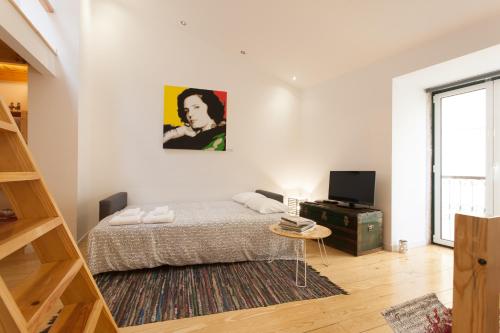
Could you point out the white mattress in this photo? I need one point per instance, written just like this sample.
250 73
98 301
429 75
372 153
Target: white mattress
203 232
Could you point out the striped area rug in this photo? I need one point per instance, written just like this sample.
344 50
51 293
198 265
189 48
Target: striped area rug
164 293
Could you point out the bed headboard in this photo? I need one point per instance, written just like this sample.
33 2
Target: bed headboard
112 204
271 195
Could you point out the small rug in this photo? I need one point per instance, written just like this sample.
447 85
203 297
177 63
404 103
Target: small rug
425 314
164 293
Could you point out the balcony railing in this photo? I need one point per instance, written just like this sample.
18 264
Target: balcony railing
464 194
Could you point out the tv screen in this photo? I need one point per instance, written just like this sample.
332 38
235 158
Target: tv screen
352 186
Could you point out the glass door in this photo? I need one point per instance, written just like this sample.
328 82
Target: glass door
463 157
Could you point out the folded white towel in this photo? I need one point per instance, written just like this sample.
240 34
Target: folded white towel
165 218
162 210
130 212
124 220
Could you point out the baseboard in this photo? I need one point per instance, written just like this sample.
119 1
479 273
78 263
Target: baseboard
81 238
387 247
411 245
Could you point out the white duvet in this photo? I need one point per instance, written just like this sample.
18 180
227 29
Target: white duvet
203 232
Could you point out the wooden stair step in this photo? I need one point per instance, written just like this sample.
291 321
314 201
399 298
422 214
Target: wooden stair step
14 235
6 126
78 318
38 294
6 177
62 278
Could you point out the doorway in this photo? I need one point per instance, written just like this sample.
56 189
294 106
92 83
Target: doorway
14 94
14 86
464 156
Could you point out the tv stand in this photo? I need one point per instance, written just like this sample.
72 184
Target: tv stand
355 230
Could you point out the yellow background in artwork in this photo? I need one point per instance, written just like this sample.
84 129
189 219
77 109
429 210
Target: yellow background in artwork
170 115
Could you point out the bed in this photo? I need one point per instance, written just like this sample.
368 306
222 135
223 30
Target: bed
203 232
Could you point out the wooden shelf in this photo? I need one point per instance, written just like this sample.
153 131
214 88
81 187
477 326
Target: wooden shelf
6 126
15 235
39 293
77 318
7 177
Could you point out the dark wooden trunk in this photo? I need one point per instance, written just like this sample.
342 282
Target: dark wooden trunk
356 231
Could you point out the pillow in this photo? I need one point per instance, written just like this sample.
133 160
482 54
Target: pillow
266 205
243 197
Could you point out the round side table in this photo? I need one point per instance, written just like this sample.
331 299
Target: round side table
317 233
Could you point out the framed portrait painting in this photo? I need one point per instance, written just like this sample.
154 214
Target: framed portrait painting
194 118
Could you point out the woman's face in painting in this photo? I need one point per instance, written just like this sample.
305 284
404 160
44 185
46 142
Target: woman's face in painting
197 113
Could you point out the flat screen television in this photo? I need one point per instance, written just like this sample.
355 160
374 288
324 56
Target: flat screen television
353 187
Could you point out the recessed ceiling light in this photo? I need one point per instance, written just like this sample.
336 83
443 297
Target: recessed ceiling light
243 52
184 23
294 78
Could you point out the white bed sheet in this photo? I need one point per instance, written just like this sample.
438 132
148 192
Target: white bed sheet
203 232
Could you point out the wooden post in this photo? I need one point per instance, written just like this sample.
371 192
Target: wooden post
476 276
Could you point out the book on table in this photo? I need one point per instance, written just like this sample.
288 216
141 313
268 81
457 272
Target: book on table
296 224
296 220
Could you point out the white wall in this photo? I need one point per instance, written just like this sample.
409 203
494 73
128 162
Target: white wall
411 161
129 53
346 124
54 107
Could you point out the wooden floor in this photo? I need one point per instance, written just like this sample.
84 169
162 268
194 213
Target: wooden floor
375 282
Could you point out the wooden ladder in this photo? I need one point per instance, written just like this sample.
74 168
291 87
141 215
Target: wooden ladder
63 277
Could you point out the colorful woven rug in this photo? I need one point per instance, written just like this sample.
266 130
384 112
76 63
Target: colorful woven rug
150 295
425 314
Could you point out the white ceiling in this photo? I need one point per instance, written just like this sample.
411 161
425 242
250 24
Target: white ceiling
316 40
